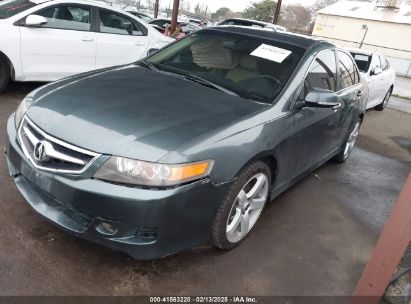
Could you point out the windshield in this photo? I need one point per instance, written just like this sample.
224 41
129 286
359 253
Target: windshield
10 8
251 67
363 61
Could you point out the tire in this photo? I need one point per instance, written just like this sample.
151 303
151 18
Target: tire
349 142
4 74
230 226
384 103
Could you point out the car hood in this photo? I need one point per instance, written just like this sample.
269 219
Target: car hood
133 112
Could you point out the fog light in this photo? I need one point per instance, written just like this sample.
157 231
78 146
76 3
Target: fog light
107 229
147 233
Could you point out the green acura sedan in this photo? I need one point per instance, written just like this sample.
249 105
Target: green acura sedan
188 145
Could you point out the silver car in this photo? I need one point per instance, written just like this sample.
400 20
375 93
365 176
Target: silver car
380 76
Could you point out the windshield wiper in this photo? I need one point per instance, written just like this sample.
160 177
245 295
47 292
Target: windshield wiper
209 84
149 65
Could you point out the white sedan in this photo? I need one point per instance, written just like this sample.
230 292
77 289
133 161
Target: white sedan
380 77
48 40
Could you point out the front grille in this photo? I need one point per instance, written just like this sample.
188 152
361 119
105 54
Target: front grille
51 154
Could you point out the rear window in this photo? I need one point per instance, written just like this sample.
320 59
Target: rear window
363 61
10 8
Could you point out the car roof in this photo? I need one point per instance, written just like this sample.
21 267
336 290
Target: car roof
252 21
87 2
302 41
136 12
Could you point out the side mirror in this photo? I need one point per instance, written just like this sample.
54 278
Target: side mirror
376 71
321 99
35 20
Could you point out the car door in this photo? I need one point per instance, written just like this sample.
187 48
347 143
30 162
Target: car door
64 46
350 91
385 76
317 127
120 39
375 82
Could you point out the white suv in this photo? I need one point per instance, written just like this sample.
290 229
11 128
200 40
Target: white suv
48 40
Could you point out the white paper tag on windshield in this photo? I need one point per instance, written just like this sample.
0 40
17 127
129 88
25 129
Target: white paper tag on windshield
270 52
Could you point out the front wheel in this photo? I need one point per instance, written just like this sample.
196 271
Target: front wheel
384 103
242 206
349 143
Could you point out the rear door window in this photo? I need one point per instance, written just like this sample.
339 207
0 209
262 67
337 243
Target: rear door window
363 61
348 72
115 23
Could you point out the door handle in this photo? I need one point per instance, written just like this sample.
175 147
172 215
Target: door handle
87 39
139 43
336 107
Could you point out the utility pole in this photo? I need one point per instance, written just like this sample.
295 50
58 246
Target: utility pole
364 27
174 15
156 7
277 12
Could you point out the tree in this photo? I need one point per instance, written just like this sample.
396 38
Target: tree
320 4
296 17
150 4
262 11
220 13
200 10
197 9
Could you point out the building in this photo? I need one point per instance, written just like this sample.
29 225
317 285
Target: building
383 25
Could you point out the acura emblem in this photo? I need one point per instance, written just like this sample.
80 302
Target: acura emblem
40 151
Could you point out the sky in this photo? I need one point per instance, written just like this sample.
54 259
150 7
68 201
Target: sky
234 5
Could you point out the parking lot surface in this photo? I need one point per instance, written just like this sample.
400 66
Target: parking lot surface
314 239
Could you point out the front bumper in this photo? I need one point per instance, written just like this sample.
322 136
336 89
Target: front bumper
144 223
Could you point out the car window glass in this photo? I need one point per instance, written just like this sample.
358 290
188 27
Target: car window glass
323 72
227 22
231 61
384 63
68 17
10 8
114 23
363 61
162 23
144 17
348 72
376 63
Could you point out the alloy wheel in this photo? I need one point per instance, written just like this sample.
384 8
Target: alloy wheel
247 207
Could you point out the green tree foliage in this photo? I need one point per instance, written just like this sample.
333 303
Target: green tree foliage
262 11
220 13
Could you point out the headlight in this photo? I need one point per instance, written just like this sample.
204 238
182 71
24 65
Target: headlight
21 110
135 172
